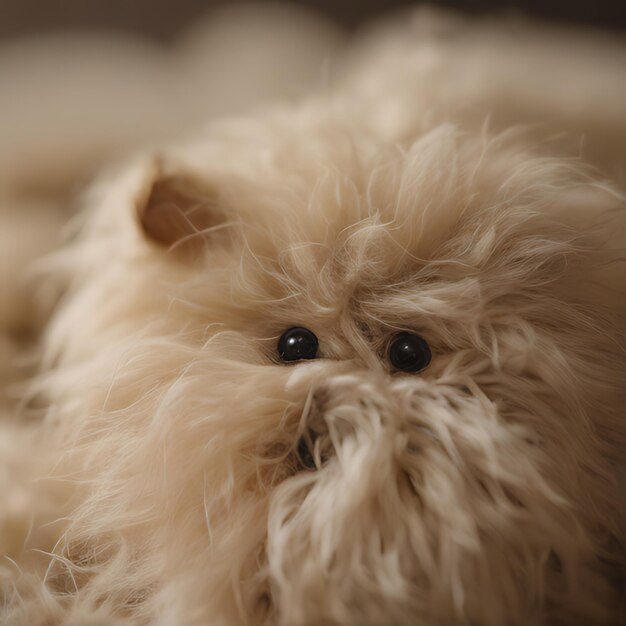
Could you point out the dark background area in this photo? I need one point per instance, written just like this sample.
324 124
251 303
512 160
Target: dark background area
164 19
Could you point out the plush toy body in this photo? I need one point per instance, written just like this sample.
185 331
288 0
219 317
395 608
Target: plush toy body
355 361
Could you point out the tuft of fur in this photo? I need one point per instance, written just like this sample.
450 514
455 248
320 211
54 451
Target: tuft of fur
484 490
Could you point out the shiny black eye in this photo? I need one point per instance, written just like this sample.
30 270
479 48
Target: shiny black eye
409 353
297 344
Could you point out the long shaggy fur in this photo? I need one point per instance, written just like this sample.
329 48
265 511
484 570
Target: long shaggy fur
167 487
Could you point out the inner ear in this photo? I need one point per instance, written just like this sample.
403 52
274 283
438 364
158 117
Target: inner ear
178 212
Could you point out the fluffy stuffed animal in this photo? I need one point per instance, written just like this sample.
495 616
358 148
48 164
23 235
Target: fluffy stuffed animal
354 361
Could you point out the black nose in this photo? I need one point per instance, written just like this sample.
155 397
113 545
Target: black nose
305 455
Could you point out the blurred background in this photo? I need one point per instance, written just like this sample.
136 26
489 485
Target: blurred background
102 77
164 19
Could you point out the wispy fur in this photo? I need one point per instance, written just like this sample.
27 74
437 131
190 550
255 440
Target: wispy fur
483 490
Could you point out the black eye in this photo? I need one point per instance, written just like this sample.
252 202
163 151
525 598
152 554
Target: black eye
409 353
297 344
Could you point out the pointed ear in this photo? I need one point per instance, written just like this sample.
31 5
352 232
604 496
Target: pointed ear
177 211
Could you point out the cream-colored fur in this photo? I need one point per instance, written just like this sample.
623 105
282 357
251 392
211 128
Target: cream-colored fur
163 484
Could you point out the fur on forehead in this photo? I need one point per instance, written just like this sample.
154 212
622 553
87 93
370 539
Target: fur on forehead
317 201
335 185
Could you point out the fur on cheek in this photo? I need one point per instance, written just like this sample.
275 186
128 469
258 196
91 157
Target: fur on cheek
178 507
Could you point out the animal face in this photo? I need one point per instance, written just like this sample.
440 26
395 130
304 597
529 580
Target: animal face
309 376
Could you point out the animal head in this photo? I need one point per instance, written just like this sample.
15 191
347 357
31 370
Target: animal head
309 375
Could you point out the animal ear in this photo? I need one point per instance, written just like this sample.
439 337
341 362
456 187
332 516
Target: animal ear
177 211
